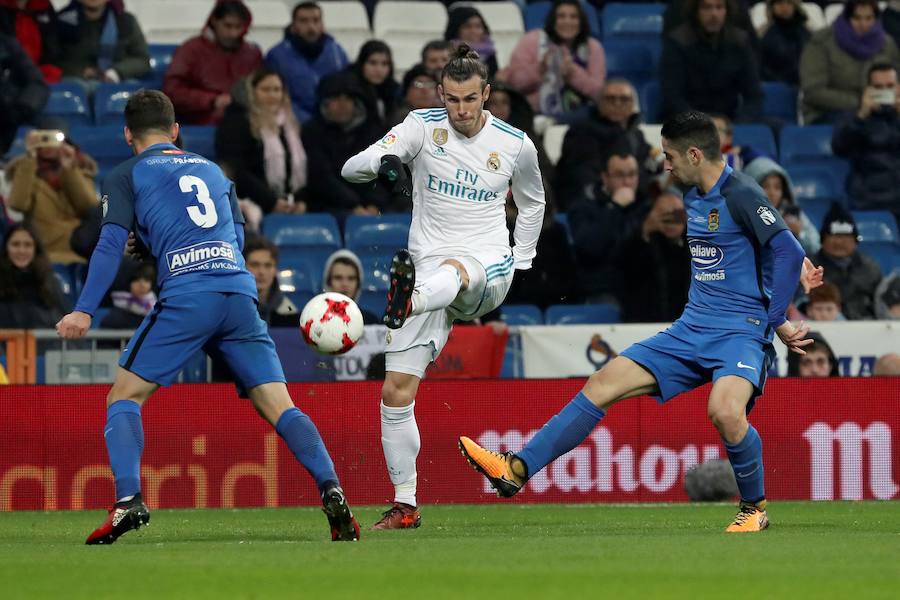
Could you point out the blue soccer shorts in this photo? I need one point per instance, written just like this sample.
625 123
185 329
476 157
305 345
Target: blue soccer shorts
226 326
684 357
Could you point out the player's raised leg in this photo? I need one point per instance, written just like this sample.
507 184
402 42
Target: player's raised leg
620 379
727 410
435 291
124 435
401 442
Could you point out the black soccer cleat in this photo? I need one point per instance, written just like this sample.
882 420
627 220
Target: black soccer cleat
122 518
399 300
344 527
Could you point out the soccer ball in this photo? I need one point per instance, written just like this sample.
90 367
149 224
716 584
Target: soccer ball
331 323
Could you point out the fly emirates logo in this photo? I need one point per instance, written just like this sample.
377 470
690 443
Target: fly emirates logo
465 187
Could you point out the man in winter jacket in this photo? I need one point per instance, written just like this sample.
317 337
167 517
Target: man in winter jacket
206 67
306 55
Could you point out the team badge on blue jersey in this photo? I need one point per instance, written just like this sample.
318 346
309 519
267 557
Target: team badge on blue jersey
712 222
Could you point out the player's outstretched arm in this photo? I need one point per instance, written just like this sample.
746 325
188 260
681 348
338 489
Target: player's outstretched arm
811 276
403 141
101 273
528 194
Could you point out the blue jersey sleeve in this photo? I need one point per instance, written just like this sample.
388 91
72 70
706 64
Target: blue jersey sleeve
103 268
753 212
787 262
117 202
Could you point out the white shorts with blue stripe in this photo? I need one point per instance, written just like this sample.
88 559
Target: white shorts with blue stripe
414 346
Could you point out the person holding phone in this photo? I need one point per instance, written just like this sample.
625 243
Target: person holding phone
871 141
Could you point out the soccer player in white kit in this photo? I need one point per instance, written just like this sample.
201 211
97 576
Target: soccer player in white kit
459 265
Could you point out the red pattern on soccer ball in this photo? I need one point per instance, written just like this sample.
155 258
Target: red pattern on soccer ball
304 329
336 308
347 345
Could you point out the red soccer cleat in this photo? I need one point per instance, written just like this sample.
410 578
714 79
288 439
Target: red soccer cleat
399 516
122 518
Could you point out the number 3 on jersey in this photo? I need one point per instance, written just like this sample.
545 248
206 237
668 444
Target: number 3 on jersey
207 216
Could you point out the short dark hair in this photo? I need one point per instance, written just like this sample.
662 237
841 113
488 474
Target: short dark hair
436 45
850 7
149 110
465 64
259 242
877 68
227 8
584 30
693 128
621 150
304 6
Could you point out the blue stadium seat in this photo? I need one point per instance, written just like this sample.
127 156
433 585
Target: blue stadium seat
105 144
99 315
522 314
110 100
630 59
536 13
807 143
876 226
69 101
318 229
562 314
651 100
635 21
195 369
66 282
837 169
376 270
780 100
373 301
386 233
886 254
160 59
300 273
563 219
757 136
813 181
199 139
815 209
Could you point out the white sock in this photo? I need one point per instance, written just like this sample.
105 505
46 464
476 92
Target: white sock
437 290
400 441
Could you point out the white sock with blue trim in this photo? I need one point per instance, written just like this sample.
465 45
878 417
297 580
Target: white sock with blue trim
436 291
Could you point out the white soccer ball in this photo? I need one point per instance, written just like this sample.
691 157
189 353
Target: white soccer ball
331 323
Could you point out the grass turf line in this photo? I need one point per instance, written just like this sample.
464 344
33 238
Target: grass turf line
822 550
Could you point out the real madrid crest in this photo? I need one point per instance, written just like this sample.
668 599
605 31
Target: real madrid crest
493 161
439 135
713 222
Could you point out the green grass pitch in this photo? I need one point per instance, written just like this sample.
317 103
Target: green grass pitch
812 550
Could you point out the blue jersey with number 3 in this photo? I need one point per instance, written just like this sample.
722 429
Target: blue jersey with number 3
184 209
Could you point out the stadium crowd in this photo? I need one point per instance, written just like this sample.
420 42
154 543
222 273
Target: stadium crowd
282 121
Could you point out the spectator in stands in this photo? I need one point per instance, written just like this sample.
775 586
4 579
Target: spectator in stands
824 304
343 273
129 307
206 67
887 365
435 55
819 360
654 264
419 89
887 297
680 11
509 105
305 56
30 294
776 182
258 146
33 24
342 128
871 141
855 274
782 40
53 185
834 64
890 20
375 69
560 68
735 156
101 43
708 64
613 122
274 307
607 213
23 92
466 25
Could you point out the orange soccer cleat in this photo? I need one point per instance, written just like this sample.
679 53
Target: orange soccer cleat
495 466
399 516
751 517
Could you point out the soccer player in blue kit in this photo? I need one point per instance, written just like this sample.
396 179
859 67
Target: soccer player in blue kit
745 265
184 209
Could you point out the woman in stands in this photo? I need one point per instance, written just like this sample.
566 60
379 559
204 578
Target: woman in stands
375 69
30 294
258 146
561 68
465 25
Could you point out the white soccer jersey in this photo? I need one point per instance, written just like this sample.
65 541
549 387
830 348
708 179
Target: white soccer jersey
460 186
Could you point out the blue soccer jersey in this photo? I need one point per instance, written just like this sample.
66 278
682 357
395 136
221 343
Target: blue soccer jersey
731 266
184 209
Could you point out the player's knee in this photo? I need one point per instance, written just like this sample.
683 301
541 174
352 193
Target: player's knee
463 274
600 390
396 395
728 417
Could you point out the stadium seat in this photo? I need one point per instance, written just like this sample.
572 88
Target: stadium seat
876 226
299 279
814 181
195 371
651 101
799 143
407 26
110 100
630 59
175 21
66 282
105 144
348 23
270 17
758 15
522 314
69 101
832 12
160 59
780 100
376 270
815 18
199 139
312 238
374 302
886 254
536 14
652 134
386 233
634 21
553 141
582 314
98 317
758 136
504 19
563 219
815 209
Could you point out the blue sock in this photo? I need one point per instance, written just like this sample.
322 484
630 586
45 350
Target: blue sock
302 437
746 460
561 433
124 434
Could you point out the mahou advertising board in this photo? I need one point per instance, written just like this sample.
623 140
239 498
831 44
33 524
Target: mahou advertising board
823 439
